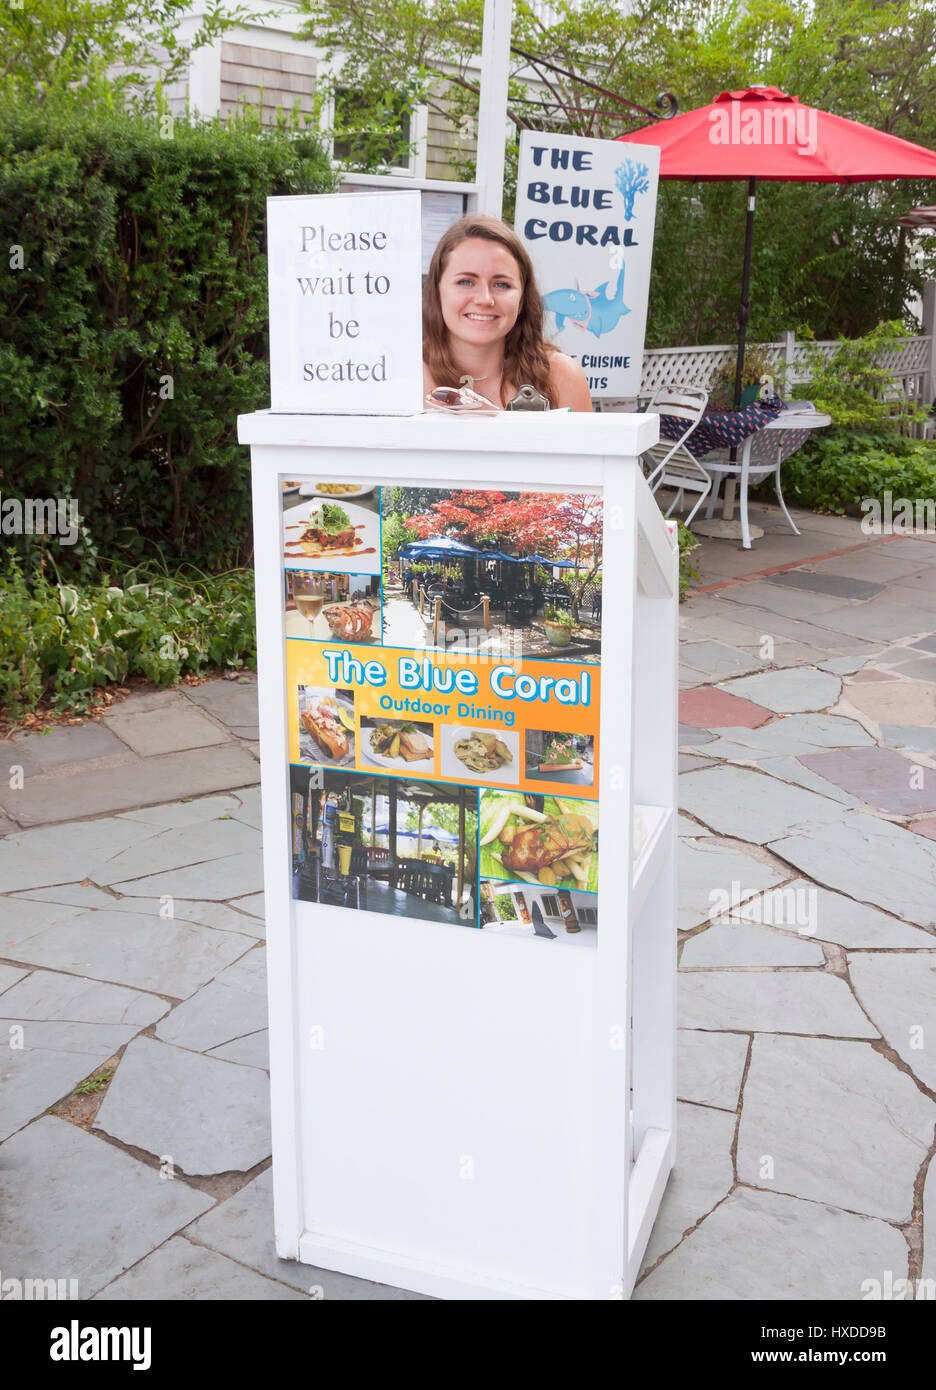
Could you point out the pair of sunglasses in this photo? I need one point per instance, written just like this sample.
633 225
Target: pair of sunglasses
460 400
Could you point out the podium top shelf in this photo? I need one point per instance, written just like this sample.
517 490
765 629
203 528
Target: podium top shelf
549 432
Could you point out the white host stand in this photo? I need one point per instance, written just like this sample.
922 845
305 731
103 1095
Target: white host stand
458 1112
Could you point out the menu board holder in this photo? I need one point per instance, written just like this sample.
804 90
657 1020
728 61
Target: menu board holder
465 1112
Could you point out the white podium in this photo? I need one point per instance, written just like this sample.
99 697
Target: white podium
460 1111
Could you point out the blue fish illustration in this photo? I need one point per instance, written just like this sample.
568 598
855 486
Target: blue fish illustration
592 311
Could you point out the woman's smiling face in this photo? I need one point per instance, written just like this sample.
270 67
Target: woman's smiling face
480 292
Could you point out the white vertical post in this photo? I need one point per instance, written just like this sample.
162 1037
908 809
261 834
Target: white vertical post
275 790
419 134
789 358
612 1155
929 331
653 954
204 79
492 108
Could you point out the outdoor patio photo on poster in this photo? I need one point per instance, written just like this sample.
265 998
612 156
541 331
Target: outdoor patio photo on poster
388 844
516 574
551 914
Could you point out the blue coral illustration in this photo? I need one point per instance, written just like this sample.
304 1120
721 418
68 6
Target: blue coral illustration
590 311
631 179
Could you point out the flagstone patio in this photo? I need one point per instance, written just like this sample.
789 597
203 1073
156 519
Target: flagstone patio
131 940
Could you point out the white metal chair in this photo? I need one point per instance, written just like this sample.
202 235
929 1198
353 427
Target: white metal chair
928 427
764 453
669 463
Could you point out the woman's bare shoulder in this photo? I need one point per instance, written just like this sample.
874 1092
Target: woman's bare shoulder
570 382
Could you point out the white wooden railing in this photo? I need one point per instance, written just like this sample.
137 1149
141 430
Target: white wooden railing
910 360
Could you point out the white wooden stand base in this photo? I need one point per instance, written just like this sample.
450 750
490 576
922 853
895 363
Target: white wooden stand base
459 1112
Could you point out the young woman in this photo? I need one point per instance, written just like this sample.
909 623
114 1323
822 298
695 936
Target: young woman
483 318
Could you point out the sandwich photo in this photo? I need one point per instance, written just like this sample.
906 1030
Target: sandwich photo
326 726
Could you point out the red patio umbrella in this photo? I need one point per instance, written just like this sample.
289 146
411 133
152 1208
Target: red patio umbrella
763 133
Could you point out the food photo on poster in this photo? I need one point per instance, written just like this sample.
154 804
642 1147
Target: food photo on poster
489 755
398 744
327 607
550 841
326 725
511 573
341 529
387 844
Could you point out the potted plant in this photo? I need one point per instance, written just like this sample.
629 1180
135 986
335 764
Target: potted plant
757 364
558 626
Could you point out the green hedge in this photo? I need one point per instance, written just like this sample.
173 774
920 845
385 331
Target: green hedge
143 260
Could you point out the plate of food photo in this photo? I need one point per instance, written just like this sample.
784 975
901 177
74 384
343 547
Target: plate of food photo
398 744
333 531
336 491
326 726
351 622
483 753
548 840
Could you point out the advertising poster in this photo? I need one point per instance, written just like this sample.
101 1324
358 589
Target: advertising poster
586 211
443 673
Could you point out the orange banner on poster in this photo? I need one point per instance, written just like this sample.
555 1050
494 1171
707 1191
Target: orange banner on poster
466 712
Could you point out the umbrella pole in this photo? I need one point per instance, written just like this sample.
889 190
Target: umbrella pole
744 309
744 313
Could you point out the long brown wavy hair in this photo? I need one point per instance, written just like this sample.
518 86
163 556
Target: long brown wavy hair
526 354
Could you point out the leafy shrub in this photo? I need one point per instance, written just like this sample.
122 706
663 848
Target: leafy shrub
853 387
841 468
133 325
688 574
58 640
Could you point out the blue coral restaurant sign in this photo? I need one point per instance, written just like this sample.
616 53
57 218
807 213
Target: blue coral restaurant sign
586 211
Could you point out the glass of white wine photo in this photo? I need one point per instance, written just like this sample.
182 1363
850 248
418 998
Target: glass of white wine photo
310 599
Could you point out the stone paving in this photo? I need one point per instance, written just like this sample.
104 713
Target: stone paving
131 948
150 749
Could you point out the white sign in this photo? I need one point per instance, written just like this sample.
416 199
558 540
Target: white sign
345 294
586 211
